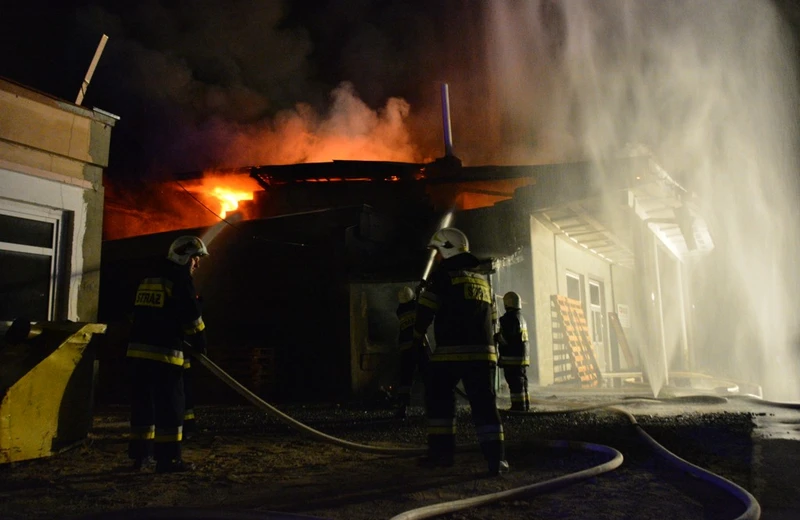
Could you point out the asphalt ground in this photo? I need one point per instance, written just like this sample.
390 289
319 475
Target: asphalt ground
249 461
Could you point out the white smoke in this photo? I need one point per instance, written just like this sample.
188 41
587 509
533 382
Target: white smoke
710 87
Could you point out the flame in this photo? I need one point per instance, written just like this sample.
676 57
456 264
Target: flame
229 198
222 192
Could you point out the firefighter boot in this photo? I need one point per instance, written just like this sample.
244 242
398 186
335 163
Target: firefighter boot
401 412
498 467
173 466
143 464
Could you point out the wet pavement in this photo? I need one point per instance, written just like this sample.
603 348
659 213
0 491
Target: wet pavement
774 464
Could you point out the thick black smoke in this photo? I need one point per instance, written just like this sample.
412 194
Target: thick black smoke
194 79
190 77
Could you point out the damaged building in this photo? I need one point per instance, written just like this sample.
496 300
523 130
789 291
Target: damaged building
300 289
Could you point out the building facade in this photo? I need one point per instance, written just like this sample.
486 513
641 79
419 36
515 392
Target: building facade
302 293
52 156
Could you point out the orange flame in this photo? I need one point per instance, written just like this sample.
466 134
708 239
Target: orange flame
229 198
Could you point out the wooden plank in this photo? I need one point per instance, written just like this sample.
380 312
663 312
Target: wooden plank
622 339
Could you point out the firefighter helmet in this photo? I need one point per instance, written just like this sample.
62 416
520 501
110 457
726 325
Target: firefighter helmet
449 242
405 295
184 248
511 300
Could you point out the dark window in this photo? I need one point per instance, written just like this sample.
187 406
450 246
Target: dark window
594 294
573 288
24 285
28 232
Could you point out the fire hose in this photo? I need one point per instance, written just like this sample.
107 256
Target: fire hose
295 424
437 509
752 510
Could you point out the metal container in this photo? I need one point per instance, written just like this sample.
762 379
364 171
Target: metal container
46 389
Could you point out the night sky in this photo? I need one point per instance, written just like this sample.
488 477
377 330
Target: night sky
183 74
221 83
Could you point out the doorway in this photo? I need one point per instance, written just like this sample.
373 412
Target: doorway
597 321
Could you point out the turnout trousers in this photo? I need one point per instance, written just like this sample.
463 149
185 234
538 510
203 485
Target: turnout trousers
440 401
411 359
157 407
189 423
517 379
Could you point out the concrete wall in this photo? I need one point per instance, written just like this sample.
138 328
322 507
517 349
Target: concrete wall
545 283
553 257
52 156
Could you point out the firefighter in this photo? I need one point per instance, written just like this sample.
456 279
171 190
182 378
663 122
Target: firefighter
458 300
413 355
166 318
513 347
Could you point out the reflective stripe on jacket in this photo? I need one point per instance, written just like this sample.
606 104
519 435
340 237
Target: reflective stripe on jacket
166 313
406 313
460 304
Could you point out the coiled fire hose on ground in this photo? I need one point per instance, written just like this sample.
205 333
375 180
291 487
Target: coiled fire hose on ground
538 488
752 508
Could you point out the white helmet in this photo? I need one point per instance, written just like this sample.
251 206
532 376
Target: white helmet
184 248
449 242
405 295
511 300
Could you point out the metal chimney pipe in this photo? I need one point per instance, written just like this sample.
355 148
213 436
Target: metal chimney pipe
448 131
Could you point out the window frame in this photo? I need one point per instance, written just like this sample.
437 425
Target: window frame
579 279
52 216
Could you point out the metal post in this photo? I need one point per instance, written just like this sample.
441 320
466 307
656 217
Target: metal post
90 72
448 131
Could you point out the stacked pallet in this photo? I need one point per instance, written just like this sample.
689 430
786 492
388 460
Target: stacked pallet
563 369
573 355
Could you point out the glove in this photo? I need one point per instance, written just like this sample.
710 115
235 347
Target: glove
198 343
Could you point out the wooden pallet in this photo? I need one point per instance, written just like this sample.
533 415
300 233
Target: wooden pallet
573 354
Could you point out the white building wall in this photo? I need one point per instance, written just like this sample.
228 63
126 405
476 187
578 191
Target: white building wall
575 259
27 193
553 257
545 283
52 156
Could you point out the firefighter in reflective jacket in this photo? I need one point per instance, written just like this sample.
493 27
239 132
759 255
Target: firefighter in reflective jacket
458 301
166 317
412 354
513 346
